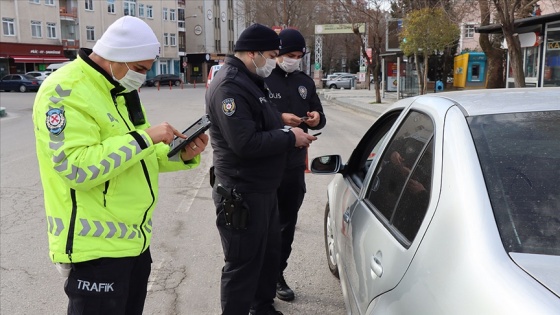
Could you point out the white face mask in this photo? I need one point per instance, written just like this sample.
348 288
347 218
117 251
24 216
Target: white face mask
289 64
132 80
265 70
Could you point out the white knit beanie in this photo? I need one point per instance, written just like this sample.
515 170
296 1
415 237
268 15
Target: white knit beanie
128 39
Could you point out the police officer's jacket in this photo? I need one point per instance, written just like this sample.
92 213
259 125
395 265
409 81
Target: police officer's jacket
295 93
99 171
248 137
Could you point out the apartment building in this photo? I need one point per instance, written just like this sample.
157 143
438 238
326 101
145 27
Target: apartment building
194 34
212 30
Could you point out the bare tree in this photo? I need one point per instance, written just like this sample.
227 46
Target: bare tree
490 44
506 12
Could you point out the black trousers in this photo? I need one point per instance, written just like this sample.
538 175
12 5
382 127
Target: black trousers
109 285
290 197
251 256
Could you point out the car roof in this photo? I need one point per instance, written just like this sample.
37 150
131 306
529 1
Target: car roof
499 101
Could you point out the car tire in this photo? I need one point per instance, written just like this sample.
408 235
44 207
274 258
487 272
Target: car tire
332 86
329 243
177 83
22 88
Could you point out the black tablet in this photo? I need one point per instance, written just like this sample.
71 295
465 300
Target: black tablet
192 132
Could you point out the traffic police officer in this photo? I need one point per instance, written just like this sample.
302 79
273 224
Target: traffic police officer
99 160
294 93
250 143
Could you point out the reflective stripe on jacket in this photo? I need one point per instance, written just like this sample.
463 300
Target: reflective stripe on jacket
99 171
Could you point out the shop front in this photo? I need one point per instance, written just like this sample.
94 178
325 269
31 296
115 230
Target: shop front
539 37
197 66
22 58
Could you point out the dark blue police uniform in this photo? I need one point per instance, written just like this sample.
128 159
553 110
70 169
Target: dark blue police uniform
294 93
249 144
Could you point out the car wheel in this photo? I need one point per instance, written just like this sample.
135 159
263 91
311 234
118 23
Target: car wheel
22 88
329 243
332 86
177 83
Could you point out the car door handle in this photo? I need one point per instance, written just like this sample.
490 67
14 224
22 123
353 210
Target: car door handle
346 216
375 265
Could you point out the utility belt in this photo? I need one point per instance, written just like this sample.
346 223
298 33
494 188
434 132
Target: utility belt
233 208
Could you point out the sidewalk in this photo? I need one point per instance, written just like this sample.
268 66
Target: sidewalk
359 100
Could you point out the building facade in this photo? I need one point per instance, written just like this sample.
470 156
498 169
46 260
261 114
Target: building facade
36 33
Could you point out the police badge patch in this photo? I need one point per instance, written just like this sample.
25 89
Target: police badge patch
302 91
228 106
56 120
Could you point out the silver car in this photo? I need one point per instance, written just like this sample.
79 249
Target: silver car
450 204
343 81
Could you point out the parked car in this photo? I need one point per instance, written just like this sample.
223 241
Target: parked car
164 79
213 70
19 82
337 74
39 75
55 66
450 204
345 81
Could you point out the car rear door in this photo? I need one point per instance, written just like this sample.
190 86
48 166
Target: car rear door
387 218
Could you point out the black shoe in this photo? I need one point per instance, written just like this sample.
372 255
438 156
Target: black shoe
270 311
283 291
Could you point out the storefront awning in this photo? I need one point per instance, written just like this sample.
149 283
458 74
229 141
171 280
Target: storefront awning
38 59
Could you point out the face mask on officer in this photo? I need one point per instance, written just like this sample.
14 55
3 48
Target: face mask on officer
289 64
267 68
132 80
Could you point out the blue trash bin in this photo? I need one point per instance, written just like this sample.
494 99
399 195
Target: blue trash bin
438 87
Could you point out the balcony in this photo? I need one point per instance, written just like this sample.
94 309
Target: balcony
71 44
71 13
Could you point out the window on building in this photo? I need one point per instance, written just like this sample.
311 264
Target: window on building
172 14
164 12
141 10
469 30
165 39
36 29
89 5
8 27
129 7
49 2
173 40
111 6
90 33
149 11
51 30
35 1
531 61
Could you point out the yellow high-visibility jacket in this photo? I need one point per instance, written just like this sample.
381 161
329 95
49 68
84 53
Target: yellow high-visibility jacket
99 171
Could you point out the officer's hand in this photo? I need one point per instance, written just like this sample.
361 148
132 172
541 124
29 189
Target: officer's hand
195 147
291 120
314 119
163 132
302 139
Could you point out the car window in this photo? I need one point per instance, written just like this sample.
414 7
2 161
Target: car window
520 159
362 157
16 77
400 187
28 77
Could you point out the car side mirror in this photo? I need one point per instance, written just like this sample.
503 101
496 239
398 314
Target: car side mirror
326 164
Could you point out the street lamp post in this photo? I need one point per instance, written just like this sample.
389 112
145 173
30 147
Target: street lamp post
185 60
